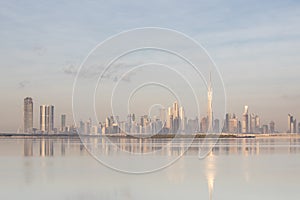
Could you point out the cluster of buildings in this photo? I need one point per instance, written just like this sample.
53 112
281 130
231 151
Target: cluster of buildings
46 119
250 123
172 120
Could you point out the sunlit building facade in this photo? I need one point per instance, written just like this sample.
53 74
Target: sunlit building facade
47 118
28 115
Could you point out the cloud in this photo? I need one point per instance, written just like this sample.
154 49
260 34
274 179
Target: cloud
39 50
70 70
114 73
23 84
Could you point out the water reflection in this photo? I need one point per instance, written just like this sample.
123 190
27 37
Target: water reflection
200 178
210 172
45 147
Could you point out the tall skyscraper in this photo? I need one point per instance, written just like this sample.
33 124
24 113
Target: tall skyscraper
182 118
233 124
176 119
272 127
245 121
265 129
204 125
63 123
163 115
170 119
226 123
175 110
257 124
290 120
252 123
292 124
216 126
47 118
28 115
209 106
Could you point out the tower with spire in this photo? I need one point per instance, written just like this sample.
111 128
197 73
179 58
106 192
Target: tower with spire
209 106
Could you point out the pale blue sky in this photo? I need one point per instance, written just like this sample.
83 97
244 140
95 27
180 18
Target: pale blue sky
254 43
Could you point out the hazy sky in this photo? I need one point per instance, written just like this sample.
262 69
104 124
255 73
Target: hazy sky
255 44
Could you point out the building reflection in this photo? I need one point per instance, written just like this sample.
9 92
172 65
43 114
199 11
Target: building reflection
210 172
47 146
28 147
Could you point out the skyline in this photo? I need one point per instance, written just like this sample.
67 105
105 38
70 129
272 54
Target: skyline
254 47
171 120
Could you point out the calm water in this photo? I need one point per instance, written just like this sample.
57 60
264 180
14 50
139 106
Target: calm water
61 168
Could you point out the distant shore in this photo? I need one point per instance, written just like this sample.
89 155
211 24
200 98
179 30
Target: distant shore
158 136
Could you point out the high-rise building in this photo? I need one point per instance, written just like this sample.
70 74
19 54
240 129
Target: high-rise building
175 110
170 119
226 123
63 123
108 122
182 118
209 107
257 124
292 124
87 127
47 118
204 125
193 125
245 121
252 123
216 126
28 115
163 115
265 129
233 124
272 127
290 121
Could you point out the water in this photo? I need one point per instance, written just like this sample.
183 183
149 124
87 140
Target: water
61 168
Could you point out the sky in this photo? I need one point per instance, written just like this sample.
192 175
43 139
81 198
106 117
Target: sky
255 45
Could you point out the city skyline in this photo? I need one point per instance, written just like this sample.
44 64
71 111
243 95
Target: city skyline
172 120
254 47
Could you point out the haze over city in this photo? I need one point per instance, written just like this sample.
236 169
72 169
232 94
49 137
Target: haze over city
254 44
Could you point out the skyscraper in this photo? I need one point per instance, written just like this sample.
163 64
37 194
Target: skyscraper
63 123
245 121
204 125
163 115
28 115
233 124
226 123
290 120
252 123
170 119
216 126
209 107
175 110
47 118
292 124
182 118
272 127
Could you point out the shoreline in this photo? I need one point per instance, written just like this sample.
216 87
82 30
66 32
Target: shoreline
158 136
